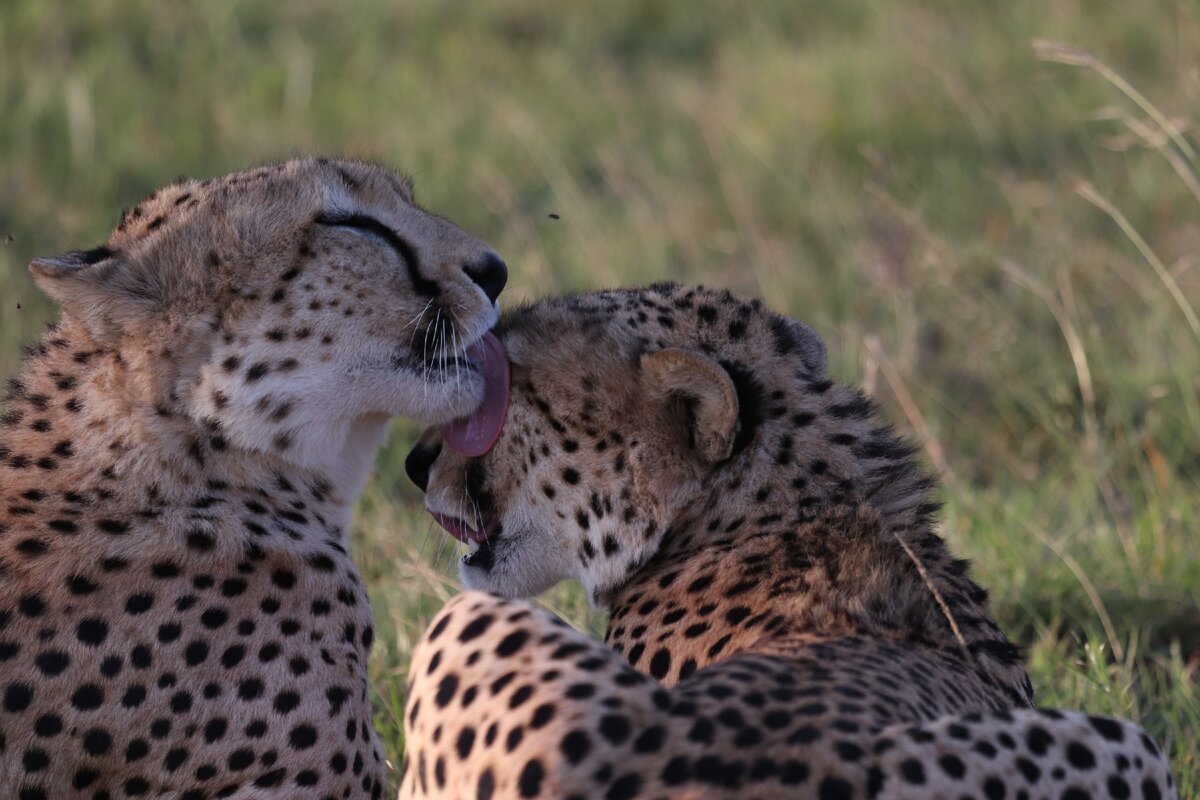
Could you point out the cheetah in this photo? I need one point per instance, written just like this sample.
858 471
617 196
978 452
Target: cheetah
179 615
784 619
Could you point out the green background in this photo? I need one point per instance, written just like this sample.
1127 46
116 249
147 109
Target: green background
1001 247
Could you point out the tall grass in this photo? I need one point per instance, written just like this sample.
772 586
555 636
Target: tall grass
988 210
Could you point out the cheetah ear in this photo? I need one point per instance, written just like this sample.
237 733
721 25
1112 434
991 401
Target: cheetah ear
701 397
97 286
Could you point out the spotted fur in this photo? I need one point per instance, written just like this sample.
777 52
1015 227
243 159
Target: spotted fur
179 616
785 621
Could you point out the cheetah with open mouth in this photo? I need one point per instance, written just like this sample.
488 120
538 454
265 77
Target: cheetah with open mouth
179 616
785 622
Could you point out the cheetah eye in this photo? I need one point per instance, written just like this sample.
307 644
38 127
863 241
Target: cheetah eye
373 228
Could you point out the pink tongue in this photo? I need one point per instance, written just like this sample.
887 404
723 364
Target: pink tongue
475 435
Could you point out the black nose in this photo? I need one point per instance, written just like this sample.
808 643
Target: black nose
418 462
490 273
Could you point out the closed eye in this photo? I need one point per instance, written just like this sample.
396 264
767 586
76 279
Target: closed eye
373 227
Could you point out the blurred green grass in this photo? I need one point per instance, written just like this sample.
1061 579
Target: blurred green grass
903 175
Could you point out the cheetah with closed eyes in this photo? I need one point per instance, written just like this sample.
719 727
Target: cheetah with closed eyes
179 616
784 621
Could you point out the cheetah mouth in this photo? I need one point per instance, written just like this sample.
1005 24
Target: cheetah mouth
435 362
460 530
484 356
482 541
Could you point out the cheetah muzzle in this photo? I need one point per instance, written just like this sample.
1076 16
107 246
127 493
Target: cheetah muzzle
784 619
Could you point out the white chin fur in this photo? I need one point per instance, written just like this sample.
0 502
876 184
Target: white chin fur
528 564
437 402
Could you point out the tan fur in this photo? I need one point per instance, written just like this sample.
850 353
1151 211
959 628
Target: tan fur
179 616
785 621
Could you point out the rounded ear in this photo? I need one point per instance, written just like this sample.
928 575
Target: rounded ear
702 397
96 286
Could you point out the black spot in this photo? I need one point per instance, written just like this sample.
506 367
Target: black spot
240 759
447 688
1030 770
47 725
214 729
650 740
84 778
529 783
52 662
1110 729
520 696
164 569
32 547
286 702
465 741
250 689
302 737
97 741
31 605
660 664
196 653
1037 739
87 697
91 631
475 627
283 578
175 759
214 617
1080 756
615 728
512 643
270 779
624 787
139 603
952 765
113 526
200 541
835 789
485 786
1118 788
575 746
134 696
17 697
912 771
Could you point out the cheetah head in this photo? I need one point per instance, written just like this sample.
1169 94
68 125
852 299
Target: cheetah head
291 309
624 406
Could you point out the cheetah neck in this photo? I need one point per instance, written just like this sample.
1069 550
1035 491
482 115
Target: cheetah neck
106 426
787 543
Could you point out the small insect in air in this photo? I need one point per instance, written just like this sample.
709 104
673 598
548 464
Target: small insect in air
8 238
553 215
